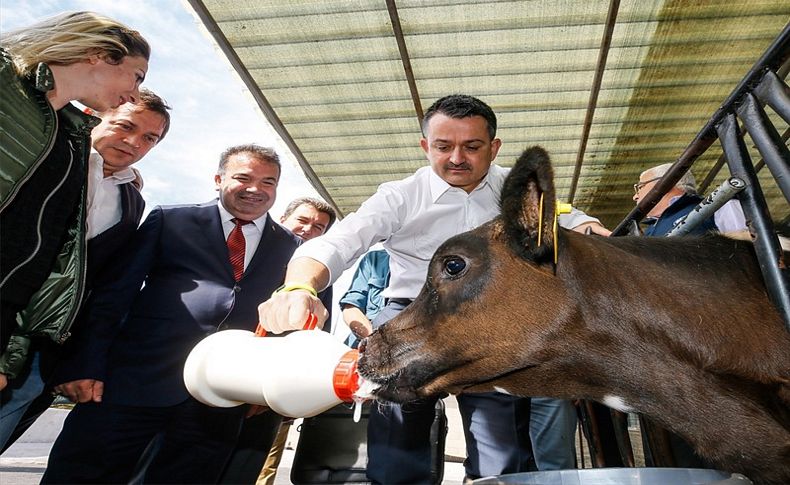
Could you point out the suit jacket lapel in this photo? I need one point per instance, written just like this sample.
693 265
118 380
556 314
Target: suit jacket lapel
209 225
132 204
261 252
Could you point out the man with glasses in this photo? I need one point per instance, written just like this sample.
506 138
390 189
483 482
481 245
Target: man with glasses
679 201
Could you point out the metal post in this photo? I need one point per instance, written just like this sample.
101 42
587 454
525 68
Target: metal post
713 202
703 186
766 244
768 141
773 92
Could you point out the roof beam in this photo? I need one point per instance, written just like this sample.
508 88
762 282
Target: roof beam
404 57
603 54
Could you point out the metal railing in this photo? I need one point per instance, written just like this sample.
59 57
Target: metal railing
761 86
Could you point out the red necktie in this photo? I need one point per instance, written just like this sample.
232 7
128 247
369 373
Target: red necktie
236 246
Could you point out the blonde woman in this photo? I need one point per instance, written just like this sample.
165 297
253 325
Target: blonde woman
82 57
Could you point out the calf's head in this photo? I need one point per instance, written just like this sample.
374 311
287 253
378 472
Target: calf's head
475 282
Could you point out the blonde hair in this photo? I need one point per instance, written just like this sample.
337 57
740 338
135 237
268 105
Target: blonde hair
72 37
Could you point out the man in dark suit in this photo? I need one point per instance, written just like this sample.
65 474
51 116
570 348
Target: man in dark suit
114 209
115 205
128 374
307 218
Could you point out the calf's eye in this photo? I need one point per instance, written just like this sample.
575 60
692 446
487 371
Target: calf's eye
454 266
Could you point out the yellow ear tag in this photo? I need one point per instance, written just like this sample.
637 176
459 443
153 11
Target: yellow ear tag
540 218
559 208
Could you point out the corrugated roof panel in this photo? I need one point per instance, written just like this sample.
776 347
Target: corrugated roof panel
333 75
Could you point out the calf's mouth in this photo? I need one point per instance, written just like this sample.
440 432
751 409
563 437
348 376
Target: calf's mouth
400 368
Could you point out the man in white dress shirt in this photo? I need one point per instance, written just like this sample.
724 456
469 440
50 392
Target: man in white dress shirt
124 136
115 206
457 192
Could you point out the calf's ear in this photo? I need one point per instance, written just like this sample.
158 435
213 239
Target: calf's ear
528 222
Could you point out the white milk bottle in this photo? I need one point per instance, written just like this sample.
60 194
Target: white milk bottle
299 375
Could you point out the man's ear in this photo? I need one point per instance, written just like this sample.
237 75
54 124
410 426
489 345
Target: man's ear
424 144
217 181
496 144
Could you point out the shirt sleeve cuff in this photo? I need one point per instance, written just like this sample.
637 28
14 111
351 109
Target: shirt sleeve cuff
324 254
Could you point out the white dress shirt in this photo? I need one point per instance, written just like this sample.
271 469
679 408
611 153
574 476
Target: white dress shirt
413 217
730 217
104 196
252 232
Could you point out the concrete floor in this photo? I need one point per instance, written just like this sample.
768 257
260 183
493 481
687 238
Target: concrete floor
25 461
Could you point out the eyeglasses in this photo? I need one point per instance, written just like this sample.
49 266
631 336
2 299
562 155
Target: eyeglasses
638 186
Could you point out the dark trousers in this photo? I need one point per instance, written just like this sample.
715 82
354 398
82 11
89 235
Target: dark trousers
496 427
102 443
399 444
32 413
252 448
399 448
28 395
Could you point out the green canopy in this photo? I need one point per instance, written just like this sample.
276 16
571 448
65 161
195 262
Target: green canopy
608 88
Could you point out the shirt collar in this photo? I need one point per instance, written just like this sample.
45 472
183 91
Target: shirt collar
44 79
652 220
118 178
226 216
122 176
439 187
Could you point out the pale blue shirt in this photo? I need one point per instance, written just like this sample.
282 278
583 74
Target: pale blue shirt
412 217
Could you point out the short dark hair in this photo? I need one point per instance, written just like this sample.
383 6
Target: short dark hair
264 154
150 101
461 106
319 205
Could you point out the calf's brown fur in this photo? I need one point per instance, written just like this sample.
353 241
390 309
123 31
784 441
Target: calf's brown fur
679 329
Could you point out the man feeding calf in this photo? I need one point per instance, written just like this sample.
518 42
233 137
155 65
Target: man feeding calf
678 329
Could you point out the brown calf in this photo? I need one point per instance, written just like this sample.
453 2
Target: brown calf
679 329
